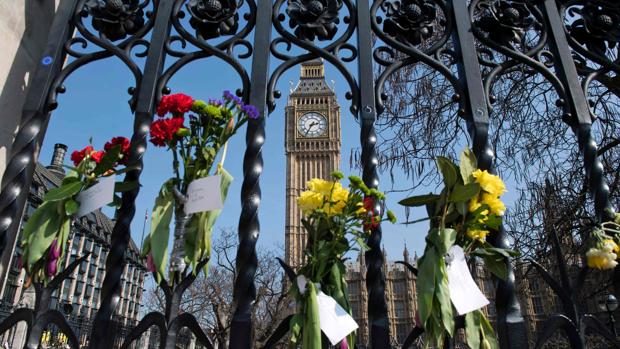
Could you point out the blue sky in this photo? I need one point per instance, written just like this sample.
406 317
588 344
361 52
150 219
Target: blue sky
95 105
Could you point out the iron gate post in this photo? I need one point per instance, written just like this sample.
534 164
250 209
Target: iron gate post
510 325
148 96
244 293
367 113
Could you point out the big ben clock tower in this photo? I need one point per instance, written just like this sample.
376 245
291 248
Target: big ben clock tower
312 142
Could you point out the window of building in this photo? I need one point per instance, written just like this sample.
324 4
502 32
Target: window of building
401 332
537 304
399 309
88 245
78 288
399 287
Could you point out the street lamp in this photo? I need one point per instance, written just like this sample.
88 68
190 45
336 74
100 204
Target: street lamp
609 304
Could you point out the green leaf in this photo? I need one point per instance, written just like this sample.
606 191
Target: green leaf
461 208
419 200
125 186
425 285
362 244
493 221
295 326
496 265
48 228
71 207
472 332
488 332
448 170
468 165
160 227
108 161
311 331
442 239
63 192
443 297
463 193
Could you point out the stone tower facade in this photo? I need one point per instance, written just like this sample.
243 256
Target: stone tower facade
312 143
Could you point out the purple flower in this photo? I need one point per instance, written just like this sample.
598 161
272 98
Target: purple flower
51 268
228 96
344 344
150 264
216 102
251 111
54 250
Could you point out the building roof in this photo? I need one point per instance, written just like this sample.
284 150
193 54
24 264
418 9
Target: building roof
312 80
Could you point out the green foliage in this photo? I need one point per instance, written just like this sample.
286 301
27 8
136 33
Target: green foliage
63 192
450 218
160 226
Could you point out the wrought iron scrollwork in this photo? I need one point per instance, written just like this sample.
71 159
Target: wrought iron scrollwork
314 19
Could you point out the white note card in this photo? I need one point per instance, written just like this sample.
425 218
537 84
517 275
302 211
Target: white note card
336 323
96 196
464 293
204 194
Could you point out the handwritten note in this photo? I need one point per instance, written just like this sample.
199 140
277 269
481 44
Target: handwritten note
204 194
96 196
464 293
335 322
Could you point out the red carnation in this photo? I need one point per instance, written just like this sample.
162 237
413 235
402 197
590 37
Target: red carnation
372 221
177 104
124 143
163 130
97 156
78 156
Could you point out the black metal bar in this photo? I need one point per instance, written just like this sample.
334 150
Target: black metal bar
577 112
510 324
36 111
367 112
148 96
249 226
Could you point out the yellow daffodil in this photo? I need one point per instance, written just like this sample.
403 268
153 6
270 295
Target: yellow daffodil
496 205
309 201
477 234
610 245
601 259
492 184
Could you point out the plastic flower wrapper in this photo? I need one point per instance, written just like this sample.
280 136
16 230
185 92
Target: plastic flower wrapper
196 133
464 213
45 233
337 220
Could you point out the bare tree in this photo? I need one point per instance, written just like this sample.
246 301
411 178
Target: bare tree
209 298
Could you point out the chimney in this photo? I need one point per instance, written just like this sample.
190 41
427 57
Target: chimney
58 159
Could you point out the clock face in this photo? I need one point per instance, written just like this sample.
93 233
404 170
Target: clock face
312 125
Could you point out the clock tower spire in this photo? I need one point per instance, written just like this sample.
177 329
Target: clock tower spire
312 143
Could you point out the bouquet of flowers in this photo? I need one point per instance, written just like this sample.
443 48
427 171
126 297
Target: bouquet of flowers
45 234
605 250
336 220
463 214
195 144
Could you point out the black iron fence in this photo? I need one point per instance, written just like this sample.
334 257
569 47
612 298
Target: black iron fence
482 38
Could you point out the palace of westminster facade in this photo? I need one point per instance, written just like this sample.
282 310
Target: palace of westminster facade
313 144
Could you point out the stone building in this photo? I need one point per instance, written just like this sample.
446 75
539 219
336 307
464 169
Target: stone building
400 297
78 297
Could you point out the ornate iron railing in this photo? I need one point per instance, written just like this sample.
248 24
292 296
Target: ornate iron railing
471 44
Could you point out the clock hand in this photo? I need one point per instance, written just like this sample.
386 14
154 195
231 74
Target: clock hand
312 124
